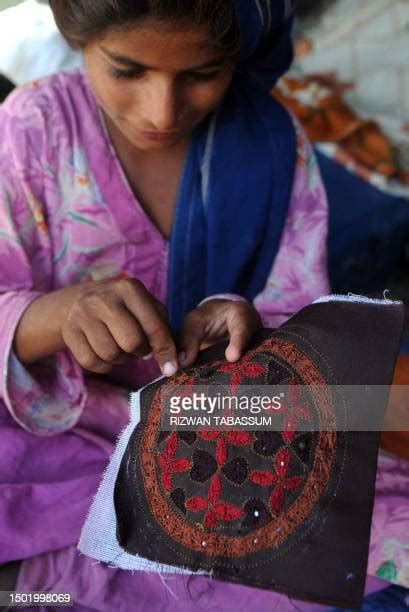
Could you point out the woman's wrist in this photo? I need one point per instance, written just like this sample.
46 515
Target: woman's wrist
39 331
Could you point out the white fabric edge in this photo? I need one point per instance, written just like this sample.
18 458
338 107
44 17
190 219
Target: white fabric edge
357 299
98 535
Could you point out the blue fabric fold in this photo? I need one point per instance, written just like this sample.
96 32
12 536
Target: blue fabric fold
239 172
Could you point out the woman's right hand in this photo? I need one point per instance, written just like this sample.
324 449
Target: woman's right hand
102 323
112 320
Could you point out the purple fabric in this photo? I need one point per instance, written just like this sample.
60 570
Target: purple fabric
389 547
47 484
98 587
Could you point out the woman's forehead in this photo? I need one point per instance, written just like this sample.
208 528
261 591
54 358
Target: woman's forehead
161 46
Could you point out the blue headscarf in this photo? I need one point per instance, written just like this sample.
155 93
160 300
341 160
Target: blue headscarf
238 176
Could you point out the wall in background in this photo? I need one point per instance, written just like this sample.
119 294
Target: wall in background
6 3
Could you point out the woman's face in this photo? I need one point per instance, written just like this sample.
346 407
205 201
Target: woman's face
155 84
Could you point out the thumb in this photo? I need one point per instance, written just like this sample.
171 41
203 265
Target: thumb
241 325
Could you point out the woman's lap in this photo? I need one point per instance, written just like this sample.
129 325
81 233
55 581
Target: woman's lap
47 483
97 586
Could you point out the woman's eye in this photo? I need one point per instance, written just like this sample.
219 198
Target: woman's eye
133 73
204 76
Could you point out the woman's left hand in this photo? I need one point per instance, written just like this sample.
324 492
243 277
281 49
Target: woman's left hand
214 321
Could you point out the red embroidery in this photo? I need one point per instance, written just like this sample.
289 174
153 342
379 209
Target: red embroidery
170 464
221 452
215 489
297 410
196 504
241 370
239 438
217 510
263 477
227 512
277 478
208 464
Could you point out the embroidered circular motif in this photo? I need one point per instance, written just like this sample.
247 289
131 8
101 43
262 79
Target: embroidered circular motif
230 493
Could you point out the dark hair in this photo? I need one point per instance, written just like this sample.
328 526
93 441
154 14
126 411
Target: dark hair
80 21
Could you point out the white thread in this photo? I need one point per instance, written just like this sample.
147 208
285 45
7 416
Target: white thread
351 297
232 297
165 584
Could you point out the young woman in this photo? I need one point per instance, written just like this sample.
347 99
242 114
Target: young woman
165 174
155 202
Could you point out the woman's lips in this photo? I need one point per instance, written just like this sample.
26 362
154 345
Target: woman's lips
158 136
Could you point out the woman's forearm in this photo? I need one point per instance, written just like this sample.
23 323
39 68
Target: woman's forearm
39 331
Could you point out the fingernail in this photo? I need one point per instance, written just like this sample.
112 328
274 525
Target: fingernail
233 354
169 369
182 357
147 357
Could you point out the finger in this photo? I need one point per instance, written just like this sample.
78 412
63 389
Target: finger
102 342
242 324
107 308
154 325
79 346
125 330
191 337
121 360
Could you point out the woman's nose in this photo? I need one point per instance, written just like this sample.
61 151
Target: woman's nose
162 107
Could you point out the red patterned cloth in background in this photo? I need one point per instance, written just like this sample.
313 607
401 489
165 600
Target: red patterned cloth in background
350 87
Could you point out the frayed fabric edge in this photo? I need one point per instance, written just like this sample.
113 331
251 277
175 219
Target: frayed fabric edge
351 297
98 536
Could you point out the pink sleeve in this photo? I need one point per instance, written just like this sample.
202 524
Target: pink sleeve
299 274
47 397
